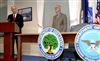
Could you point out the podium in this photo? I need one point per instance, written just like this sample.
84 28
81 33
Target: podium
7 28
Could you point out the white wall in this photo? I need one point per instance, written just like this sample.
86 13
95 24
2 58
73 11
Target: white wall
3 17
9 4
29 27
3 10
1 45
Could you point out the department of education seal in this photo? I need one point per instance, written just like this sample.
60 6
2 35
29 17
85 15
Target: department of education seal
87 43
50 43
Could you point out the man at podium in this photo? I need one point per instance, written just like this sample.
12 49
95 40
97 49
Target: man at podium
18 19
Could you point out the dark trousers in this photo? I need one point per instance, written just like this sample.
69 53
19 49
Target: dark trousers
14 39
60 57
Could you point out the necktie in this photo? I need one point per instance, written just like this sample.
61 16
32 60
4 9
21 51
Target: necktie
14 18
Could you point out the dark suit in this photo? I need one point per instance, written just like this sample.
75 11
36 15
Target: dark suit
19 22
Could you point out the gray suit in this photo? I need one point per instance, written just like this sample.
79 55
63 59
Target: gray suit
60 23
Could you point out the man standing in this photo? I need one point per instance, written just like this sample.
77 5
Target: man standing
18 19
59 23
59 20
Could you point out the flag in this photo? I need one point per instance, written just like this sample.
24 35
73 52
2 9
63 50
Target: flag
90 15
84 11
98 5
97 15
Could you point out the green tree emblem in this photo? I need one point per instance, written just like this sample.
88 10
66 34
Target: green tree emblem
50 41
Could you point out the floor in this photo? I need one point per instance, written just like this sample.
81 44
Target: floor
38 58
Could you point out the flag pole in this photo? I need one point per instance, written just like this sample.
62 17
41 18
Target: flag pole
80 12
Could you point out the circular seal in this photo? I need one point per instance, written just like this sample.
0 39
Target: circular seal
87 43
50 43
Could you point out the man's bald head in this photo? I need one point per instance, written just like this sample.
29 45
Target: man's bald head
57 8
14 9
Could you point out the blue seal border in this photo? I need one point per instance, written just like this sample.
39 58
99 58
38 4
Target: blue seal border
50 29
